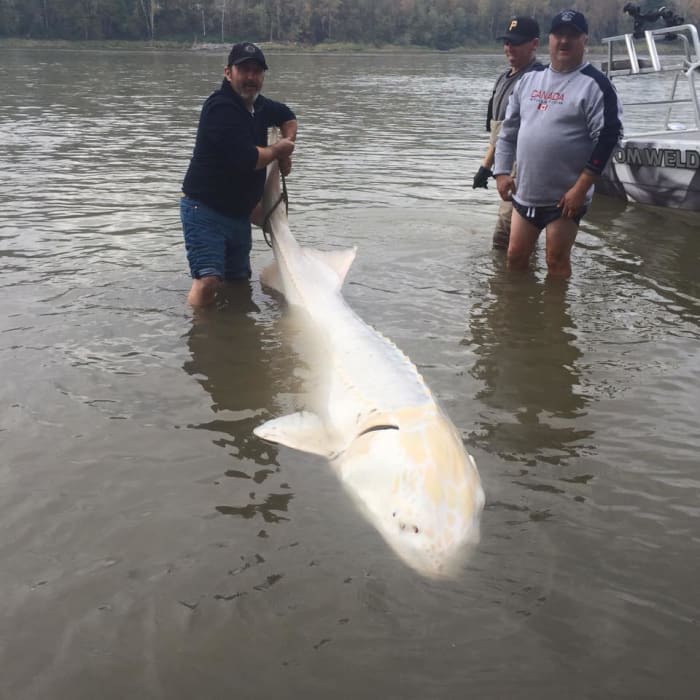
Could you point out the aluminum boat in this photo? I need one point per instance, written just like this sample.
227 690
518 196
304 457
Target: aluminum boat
655 73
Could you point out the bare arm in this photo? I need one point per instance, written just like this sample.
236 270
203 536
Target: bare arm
506 186
279 150
489 156
289 130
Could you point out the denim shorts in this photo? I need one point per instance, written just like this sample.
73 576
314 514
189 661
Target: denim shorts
541 216
216 245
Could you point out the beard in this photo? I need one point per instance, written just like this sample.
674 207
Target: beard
249 93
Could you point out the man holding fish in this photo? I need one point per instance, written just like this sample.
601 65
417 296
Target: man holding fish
224 183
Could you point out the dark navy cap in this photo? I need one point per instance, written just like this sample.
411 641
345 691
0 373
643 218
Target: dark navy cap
570 18
240 53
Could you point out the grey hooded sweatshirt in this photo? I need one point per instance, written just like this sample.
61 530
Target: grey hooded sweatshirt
556 125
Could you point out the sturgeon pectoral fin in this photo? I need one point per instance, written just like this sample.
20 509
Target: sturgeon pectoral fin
339 261
303 431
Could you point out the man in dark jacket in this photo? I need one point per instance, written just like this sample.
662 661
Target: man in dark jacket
226 176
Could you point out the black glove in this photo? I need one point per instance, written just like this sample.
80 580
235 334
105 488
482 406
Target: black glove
482 177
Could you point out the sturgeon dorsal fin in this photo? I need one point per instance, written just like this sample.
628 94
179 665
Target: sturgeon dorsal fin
337 260
303 431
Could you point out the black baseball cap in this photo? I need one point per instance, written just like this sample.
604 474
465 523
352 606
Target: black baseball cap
245 51
520 30
570 18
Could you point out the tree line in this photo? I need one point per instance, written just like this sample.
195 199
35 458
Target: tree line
441 24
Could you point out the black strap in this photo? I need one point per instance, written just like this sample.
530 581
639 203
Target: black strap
284 197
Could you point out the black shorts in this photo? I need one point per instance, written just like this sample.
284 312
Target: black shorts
541 216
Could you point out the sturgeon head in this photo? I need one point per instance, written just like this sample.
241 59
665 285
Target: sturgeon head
410 473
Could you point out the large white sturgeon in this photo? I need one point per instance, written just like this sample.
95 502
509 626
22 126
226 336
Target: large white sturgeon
376 421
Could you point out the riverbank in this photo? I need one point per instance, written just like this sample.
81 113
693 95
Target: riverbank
273 47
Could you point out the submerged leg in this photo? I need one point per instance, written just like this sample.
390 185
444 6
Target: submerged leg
203 291
561 235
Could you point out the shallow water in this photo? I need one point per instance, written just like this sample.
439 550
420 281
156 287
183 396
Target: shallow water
153 547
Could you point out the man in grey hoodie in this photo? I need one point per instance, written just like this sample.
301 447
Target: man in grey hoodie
563 123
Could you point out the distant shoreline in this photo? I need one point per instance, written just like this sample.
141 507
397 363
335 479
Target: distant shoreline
274 47
491 48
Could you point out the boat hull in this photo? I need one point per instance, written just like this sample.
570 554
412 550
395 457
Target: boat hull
658 169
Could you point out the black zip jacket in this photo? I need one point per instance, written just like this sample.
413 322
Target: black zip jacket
222 172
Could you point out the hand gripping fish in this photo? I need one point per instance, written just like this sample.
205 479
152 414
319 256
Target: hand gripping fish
377 422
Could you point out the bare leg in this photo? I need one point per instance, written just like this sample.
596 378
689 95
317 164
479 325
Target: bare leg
560 237
203 291
523 237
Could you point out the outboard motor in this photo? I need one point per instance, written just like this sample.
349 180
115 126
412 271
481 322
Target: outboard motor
644 20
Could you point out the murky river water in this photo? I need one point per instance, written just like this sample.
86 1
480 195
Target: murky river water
152 547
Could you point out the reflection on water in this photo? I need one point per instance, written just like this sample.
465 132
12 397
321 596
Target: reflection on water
222 342
233 360
658 248
526 356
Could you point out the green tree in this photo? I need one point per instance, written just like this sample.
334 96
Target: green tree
441 24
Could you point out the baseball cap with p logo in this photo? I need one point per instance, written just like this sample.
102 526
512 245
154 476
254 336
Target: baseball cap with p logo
520 30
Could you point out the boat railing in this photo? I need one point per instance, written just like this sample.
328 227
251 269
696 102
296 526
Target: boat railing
683 63
634 64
